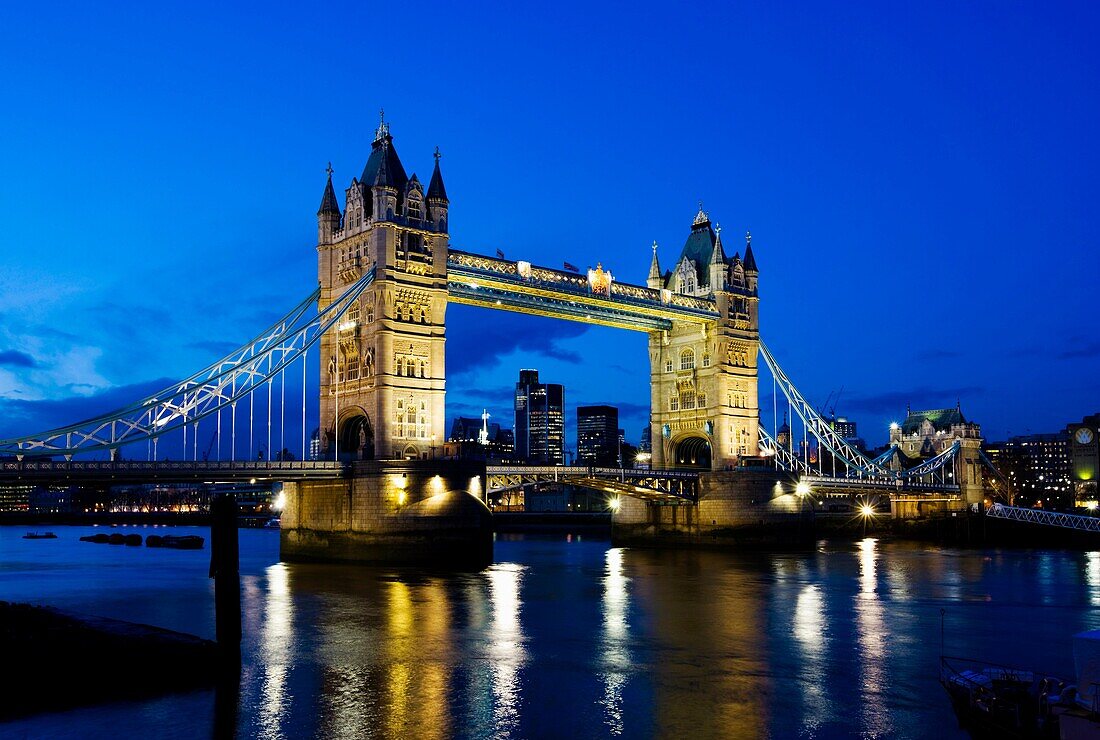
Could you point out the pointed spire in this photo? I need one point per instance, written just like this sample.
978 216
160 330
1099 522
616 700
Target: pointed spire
436 191
328 200
718 254
654 266
383 129
414 180
750 260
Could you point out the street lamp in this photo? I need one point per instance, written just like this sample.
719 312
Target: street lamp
433 446
866 511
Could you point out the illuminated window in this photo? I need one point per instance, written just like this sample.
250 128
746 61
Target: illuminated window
687 359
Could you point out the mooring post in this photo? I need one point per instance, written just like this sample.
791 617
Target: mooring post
225 570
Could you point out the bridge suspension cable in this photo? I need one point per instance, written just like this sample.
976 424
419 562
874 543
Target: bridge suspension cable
216 388
817 426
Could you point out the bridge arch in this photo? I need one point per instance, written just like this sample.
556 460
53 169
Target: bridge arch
356 434
692 450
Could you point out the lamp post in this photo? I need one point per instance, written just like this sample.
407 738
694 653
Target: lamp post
433 446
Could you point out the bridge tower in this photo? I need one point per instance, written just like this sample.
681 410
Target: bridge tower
382 374
704 404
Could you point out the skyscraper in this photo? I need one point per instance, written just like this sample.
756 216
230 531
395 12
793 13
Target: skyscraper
597 435
539 420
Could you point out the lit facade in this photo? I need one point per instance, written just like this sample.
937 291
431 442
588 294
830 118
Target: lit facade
539 420
704 405
1084 439
382 367
1037 468
598 440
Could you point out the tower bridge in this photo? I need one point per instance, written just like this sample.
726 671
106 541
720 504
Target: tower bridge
377 323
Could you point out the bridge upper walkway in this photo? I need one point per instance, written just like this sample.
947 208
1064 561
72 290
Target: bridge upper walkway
477 280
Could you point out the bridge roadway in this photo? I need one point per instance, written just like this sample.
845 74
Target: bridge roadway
167 471
658 486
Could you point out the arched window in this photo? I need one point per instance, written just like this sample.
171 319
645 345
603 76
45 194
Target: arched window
399 430
687 359
353 312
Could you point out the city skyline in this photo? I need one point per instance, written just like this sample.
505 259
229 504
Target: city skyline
917 250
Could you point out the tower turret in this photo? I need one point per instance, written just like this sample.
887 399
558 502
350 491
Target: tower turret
717 268
328 215
751 273
438 204
654 280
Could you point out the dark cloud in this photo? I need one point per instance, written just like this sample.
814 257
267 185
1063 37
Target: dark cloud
918 398
938 354
484 336
21 417
214 347
15 358
1091 349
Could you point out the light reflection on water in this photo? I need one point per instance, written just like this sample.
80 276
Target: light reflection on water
615 652
275 641
874 642
577 638
506 653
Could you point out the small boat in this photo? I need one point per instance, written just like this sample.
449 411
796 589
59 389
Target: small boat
996 701
40 536
272 523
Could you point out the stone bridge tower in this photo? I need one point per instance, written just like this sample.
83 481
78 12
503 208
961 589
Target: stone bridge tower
704 406
382 374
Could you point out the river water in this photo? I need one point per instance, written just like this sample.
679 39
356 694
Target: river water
566 636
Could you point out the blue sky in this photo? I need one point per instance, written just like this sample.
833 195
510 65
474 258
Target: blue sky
920 181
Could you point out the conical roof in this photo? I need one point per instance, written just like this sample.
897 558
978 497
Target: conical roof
750 260
654 266
329 203
436 191
383 168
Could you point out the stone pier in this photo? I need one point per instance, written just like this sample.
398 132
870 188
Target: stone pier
401 512
735 508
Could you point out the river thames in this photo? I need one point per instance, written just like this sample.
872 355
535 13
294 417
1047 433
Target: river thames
567 636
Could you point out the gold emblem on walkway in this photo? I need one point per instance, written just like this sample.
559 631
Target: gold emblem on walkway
600 281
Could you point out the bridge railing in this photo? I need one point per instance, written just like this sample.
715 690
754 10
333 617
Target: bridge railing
136 466
1049 518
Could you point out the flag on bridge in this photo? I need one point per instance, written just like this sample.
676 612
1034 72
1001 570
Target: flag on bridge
500 254
572 268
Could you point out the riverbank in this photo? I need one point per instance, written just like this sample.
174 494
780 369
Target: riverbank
57 659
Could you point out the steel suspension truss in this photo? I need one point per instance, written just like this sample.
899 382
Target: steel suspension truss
783 457
855 460
857 464
215 388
